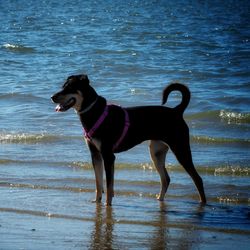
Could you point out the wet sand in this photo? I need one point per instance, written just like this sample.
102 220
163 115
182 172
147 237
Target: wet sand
35 217
23 229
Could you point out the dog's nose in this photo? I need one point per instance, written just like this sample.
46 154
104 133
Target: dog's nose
53 98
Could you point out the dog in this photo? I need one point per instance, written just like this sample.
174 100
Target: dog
111 129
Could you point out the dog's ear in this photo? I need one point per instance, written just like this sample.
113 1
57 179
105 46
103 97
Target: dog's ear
84 79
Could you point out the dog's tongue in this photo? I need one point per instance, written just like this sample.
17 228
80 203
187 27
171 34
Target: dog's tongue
59 108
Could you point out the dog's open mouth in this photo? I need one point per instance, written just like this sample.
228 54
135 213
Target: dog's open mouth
62 107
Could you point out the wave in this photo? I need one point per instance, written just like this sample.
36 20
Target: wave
18 48
8 161
234 117
20 97
229 117
233 170
227 170
26 138
218 140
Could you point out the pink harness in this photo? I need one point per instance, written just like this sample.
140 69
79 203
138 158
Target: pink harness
88 134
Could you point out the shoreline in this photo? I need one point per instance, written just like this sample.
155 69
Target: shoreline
133 222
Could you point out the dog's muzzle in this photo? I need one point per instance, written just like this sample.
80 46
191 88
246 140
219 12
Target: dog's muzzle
63 106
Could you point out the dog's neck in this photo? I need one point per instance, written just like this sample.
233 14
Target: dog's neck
91 113
86 109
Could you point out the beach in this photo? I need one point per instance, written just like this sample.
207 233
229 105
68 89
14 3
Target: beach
58 213
130 51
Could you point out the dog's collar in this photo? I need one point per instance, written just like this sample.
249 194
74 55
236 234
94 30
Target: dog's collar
87 108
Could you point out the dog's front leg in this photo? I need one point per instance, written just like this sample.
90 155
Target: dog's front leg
97 162
109 160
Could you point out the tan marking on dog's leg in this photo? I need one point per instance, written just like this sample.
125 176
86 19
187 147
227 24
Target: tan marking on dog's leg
158 151
98 168
109 160
99 181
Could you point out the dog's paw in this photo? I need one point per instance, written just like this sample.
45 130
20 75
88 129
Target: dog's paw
203 202
159 197
97 200
108 204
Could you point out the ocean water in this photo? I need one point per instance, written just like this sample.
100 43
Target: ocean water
130 50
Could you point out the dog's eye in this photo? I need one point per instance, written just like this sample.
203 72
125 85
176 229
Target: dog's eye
70 87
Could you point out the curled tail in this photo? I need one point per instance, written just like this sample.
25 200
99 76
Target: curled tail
185 95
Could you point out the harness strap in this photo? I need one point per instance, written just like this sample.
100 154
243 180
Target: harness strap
98 123
88 134
125 130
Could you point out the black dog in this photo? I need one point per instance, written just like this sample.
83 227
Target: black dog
112 129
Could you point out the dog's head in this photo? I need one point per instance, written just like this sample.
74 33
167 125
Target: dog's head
73 93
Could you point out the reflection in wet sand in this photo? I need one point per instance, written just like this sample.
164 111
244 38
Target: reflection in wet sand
160 235
167 235
110 232
102 235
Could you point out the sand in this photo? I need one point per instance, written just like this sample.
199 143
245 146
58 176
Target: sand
45 219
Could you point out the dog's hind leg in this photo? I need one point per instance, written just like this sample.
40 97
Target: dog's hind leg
158 151
183 154
97 162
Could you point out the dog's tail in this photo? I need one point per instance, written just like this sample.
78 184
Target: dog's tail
185 95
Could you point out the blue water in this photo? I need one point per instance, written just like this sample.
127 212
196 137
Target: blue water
130 50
